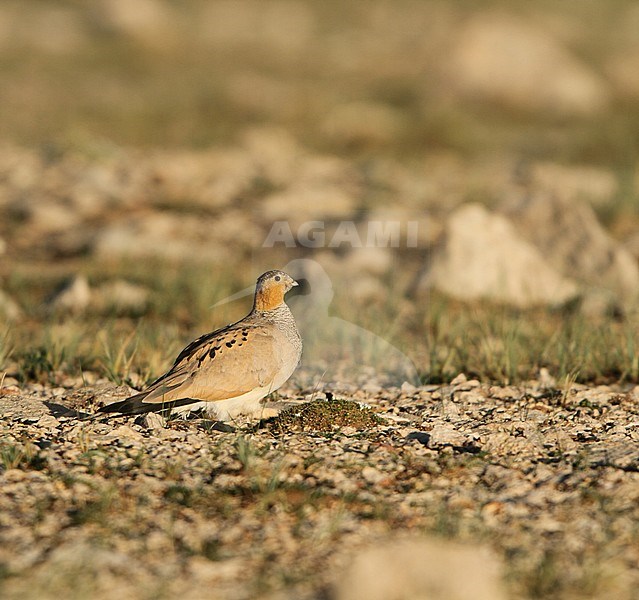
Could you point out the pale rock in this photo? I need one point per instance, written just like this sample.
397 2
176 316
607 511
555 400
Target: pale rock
147 21
459 379
465 385
123 433
237 229
484 257
48 422
408 389
569 236
98 188
445 435
372 475
9 308
501 443
450 410
46 216
597 302
19 406
73 296
500 58
546 380
422 569
9 382
152 421
474 396
120 297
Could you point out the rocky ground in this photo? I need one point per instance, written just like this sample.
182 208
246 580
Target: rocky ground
528 491
148 150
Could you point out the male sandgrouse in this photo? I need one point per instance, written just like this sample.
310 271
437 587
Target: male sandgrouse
227 372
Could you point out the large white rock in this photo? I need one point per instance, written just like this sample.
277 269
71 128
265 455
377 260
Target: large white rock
570 237
482 255
500 58
422 570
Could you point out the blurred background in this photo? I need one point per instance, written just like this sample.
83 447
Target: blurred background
149 147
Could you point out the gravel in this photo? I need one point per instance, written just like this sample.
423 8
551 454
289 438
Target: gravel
545 480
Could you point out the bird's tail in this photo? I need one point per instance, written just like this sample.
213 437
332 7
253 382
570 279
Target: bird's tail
135 405
131 406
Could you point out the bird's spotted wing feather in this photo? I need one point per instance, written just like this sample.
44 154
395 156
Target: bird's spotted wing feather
219 366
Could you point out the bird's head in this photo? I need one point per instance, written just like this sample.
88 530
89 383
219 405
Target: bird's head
271 288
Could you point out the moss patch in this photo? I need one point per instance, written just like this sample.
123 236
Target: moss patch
325 415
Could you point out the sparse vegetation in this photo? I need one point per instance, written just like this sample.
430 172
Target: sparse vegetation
327 416
102 120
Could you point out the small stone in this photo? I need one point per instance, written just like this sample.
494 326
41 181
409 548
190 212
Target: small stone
73 296
443 435
461 378
120 297
152 421
372 475
546 380
124 433
9 308
48 422
408 388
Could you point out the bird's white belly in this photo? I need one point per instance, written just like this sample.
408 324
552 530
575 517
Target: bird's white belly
227 410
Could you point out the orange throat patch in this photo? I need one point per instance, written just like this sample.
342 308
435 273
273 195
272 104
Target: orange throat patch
269 298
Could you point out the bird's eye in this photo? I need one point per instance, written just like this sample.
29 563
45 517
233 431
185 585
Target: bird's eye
277 278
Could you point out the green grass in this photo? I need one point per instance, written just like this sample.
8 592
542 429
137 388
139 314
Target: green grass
442 337
24 456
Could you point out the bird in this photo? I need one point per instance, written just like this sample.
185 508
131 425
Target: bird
228 371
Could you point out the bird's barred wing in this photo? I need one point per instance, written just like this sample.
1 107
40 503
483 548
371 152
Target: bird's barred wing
218 366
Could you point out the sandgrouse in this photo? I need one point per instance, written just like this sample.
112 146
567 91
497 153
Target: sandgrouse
228 371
